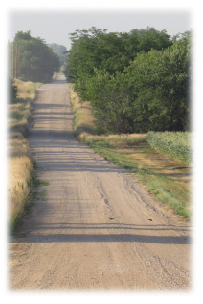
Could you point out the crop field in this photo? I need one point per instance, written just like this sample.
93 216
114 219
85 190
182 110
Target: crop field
177 145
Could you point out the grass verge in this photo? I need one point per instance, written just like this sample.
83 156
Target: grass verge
168 179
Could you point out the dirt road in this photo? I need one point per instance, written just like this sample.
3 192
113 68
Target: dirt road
97 227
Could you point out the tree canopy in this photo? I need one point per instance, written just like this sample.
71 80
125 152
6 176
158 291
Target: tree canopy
136 82
94 48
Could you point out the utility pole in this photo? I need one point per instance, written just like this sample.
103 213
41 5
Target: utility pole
19 61
9 59
16 61
12 69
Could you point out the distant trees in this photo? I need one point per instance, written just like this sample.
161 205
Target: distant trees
136 82
61 51
32 59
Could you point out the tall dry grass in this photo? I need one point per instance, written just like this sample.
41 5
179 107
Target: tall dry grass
20 162
84 120
19 187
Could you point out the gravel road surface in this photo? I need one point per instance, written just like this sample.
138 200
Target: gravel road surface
94 227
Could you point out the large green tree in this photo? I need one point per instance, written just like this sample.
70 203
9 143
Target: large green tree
161 84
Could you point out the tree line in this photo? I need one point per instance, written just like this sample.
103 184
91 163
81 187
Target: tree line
136 82
31 59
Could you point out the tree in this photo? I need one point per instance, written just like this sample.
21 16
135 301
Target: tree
109 100
162 81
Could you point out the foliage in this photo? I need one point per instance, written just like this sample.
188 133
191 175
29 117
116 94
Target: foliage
162 81
94 48
177 145
109 99
32 58
136 82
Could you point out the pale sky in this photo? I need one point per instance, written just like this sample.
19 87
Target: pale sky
55 26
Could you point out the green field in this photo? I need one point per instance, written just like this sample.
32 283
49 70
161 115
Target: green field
177 145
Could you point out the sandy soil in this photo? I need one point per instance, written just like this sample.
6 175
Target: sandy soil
98 228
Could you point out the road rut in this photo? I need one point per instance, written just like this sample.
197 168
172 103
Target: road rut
97 227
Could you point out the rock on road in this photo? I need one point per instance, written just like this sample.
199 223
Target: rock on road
97 228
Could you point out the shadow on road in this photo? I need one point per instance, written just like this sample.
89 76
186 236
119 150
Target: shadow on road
45 233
